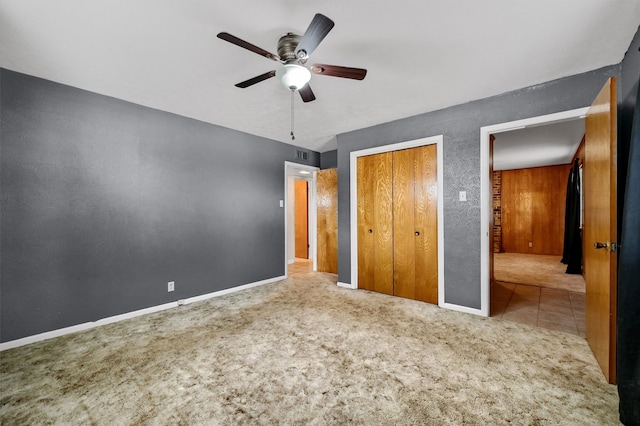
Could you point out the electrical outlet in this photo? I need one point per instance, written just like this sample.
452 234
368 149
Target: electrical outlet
171 285
463 195
530 244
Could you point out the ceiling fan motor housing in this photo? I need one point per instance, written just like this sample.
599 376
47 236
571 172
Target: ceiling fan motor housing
287 48
293 75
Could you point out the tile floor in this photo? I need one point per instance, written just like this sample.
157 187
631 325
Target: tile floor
553 309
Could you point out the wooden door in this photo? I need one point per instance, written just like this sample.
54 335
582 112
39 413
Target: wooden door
415 227
301 202
327 200
600 228
404 227
375 222
397 223
426 223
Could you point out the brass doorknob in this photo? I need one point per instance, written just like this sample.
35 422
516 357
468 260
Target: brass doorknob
601 245
417 233
370 231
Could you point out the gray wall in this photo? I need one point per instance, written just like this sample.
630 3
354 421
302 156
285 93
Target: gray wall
460 127
627 93
329 159
104 202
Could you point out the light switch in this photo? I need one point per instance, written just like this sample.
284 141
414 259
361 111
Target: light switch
281 203
463 195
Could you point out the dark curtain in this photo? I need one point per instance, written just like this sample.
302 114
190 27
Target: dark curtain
628 312
572 251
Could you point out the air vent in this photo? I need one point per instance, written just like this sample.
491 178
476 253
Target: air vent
302 155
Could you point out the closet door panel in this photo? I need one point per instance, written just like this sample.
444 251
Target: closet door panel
426 224
404 264
383 223
365 166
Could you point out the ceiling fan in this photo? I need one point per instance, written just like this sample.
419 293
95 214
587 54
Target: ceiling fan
293 52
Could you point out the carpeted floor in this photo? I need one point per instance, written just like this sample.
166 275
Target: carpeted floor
303 351
535 269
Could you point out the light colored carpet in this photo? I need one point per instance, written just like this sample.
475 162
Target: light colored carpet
535 269
303 351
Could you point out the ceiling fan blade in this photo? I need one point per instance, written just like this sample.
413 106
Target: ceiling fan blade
246 45
318 29
337 71
254 80
307 94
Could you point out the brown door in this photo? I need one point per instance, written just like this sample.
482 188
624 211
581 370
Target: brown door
600 228
375 223
397 223
404 244
415 256
327 200
301 218
426 224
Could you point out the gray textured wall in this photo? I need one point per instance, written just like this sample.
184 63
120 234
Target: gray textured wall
627 93
329 159
104 202
460 127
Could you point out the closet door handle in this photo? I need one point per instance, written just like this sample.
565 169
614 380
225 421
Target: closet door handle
371 231
417 233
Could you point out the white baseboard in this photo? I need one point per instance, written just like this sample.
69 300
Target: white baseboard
104 321
346 285
291 261
461 308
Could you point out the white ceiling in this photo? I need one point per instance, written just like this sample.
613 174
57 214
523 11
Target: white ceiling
545 145
421 55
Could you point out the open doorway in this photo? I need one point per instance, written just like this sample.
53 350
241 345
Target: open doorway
526 170
300 218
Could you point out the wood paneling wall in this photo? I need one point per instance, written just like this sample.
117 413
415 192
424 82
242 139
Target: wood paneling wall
497 211
327 196
533 205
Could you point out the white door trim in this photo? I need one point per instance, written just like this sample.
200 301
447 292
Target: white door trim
353 187
290 169
485 188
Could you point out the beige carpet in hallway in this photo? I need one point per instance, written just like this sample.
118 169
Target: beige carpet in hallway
304 351
535 269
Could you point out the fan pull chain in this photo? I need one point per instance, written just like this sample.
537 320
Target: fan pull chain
292 135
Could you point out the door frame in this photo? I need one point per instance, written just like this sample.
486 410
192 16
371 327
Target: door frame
353 199
291 169
486 193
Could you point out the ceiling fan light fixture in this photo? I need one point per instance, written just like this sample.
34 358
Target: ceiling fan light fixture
293 76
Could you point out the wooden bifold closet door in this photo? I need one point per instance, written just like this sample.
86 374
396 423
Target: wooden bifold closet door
397 223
